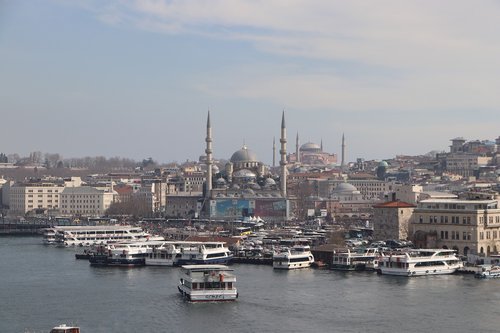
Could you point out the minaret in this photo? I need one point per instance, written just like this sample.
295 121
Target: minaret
321 145
208 151
274 151
342 163
283 156
297 153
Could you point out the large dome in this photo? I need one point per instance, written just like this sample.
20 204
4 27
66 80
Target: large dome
345 188
244 155
244 173
310 147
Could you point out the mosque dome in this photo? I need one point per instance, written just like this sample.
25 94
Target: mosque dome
244 155
345 188
269 182
256 187
244 173
310 147
221 181
383 164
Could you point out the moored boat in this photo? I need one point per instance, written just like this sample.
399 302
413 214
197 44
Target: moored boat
207 283
203 253
492 272
355 259
419 262
299 256
94 235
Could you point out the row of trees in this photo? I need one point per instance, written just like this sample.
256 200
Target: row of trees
56 161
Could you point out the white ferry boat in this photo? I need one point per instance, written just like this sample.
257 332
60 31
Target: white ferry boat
167 254
121 254
419 262
203 253
49 236
207 283
492 272
299 256
355 259
97 235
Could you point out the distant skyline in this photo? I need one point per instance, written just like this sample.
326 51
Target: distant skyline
136 78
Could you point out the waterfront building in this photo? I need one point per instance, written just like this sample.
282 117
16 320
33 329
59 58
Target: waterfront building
85 201
469 224
183 204
391 220
34 196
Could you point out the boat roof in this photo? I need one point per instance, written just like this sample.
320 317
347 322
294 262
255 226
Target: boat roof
95 227
203 268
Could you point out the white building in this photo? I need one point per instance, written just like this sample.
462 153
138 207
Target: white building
85 201
469 226
26 197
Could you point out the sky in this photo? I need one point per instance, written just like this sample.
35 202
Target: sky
136 78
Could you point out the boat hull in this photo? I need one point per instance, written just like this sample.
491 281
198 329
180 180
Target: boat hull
214 261
208 296
428 271
103 260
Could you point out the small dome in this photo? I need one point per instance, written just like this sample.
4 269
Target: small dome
310 147
221 181
236 187
383 164
248 191
244 155
215 169
256 187
269 181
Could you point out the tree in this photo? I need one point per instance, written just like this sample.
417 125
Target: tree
3 158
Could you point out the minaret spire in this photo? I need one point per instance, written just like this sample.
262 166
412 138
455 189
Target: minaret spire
209 162
342 163
297 152
274 151
321 145
283 155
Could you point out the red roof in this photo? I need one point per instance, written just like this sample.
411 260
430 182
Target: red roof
394 204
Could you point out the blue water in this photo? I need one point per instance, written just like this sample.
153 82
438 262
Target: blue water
43 286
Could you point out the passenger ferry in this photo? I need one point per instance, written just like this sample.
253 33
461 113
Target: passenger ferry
126 255
299 256
207 283
355 259
49 236
95 235
167 254
203 253
419 262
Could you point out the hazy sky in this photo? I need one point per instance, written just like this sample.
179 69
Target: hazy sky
136 78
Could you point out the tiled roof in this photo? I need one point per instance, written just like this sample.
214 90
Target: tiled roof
394 204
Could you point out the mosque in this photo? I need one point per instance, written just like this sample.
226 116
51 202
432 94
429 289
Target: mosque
312 154
245 187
